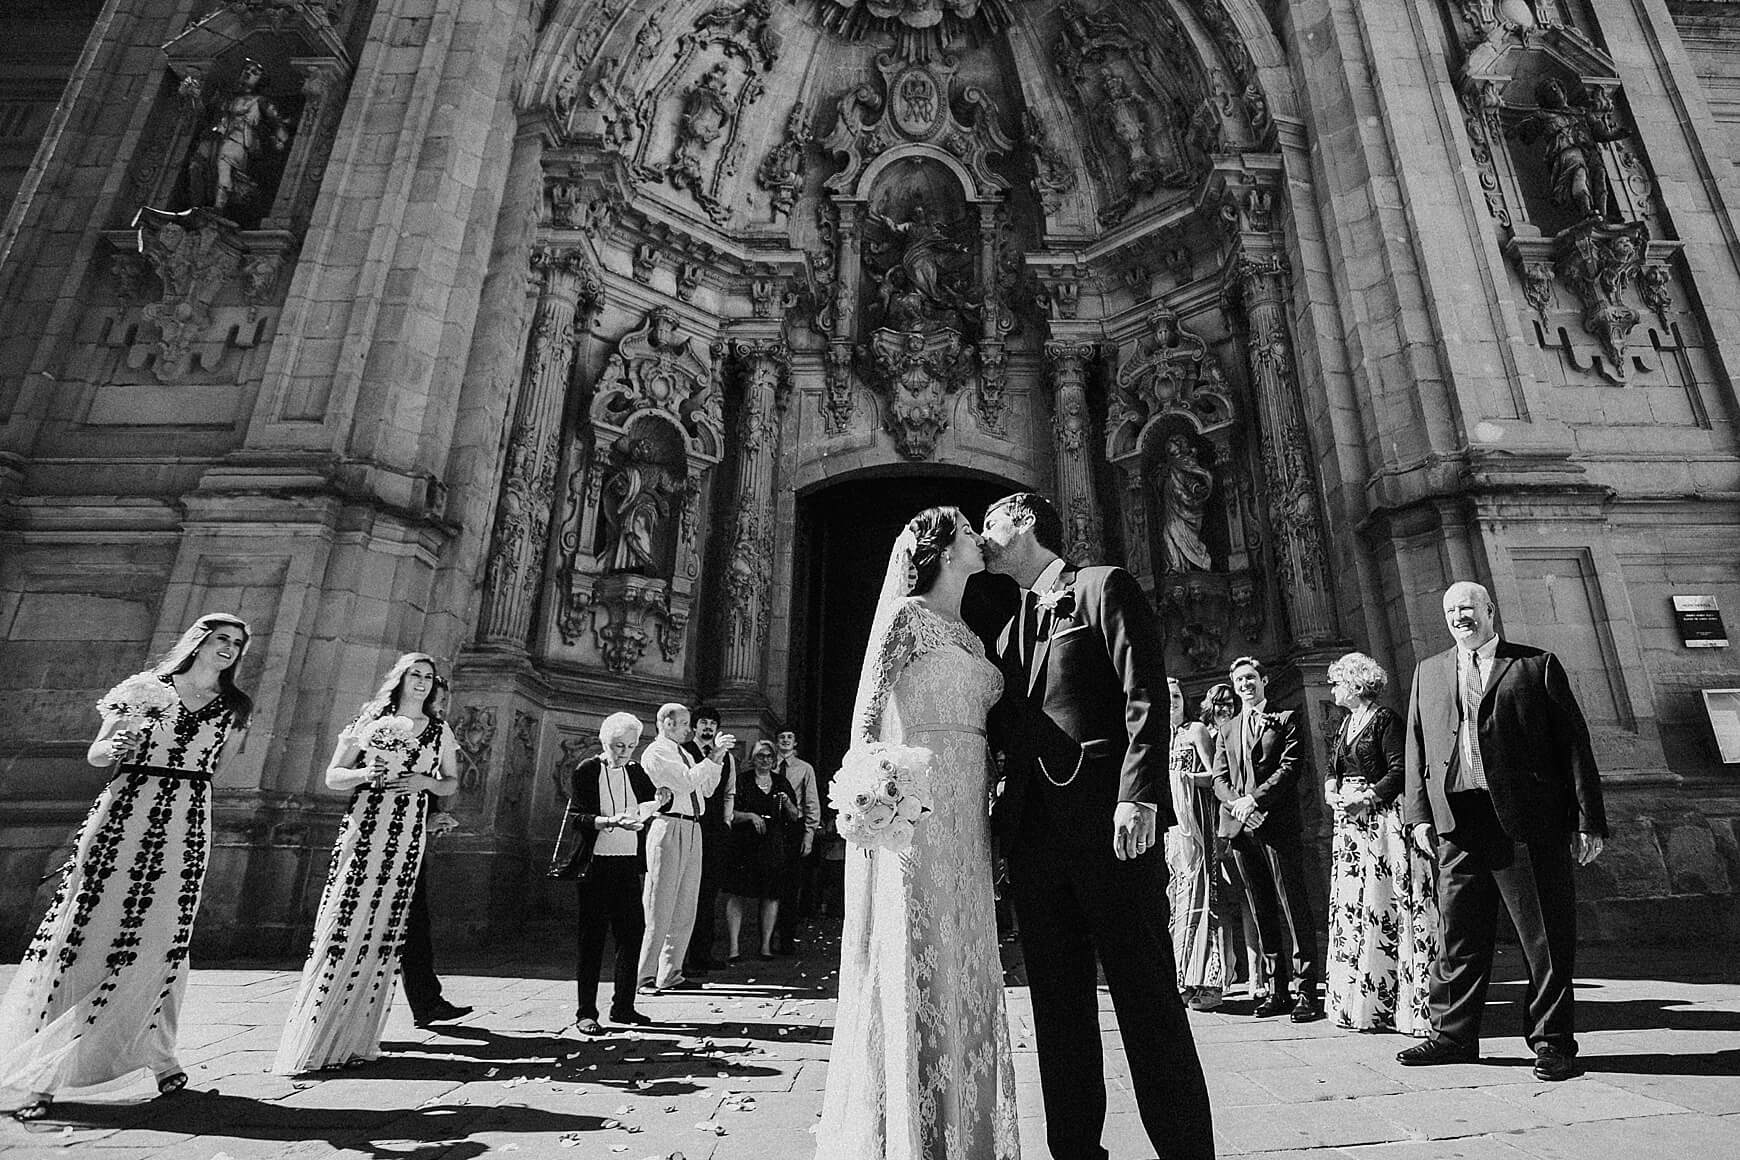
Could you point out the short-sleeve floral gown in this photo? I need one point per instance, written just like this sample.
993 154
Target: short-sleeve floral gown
97 998
920 1067
353 966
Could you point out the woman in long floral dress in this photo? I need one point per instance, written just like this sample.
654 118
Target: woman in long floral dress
395 755
1201 943
921 1066
1383 908
97 998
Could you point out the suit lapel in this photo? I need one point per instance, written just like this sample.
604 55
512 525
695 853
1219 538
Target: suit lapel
1501 661
1042 649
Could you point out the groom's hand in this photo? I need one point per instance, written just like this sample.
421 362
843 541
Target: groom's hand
1133 830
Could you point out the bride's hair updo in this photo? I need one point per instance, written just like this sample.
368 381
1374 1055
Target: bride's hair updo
934 529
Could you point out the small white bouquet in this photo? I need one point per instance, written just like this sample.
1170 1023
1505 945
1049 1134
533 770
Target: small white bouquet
387 734
881 794
140 701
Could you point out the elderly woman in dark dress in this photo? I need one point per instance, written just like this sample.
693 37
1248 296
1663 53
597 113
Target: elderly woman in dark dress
764 820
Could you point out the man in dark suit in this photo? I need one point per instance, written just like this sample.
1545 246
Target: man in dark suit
1083 724
1256 774
715 838
1499 764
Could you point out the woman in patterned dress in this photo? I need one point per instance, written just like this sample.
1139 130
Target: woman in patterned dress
347 983
1201 944
920 1065
1383 909
98 996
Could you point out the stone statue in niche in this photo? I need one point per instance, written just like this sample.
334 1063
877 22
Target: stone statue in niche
1121 114
641 498
1184 484
706 115
1571 132
921 260
235 160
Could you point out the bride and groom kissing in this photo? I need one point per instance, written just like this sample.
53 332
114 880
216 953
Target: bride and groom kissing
1072 691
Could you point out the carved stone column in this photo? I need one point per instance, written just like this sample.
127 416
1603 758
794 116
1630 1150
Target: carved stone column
1294 508
515 567
765 366
1073 441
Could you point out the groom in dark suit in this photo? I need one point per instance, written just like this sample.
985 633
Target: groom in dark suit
1083 724
1500 765
1256 776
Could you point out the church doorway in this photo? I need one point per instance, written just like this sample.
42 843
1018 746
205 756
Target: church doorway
845 532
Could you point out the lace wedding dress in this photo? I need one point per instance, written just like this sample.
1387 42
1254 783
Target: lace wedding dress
920 1067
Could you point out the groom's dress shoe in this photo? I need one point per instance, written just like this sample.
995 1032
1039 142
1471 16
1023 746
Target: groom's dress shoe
1436 1051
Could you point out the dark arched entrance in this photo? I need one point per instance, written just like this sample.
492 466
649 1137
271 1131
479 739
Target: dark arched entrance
845 532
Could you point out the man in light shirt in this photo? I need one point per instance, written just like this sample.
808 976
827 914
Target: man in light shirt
794 899
673 845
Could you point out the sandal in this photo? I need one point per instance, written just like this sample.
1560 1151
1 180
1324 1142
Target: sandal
170 1084
31 1112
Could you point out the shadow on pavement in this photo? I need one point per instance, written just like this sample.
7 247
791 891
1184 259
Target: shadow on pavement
375 1132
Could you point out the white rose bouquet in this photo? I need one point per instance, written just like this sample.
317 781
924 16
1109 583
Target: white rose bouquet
139 702
390 737
881 794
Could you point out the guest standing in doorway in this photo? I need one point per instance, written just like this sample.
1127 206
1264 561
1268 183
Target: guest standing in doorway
766 816
673 846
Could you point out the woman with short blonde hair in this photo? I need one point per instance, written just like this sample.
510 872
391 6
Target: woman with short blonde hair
1383 904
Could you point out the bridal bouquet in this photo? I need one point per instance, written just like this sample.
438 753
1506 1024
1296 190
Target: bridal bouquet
881 794
140 701
386 734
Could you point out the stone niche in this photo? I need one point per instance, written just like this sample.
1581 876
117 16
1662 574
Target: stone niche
218 197
1175 442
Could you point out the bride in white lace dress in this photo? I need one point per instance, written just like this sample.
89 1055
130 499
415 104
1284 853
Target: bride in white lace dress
920 1067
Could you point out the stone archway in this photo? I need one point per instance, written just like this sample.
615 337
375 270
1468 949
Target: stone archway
844 534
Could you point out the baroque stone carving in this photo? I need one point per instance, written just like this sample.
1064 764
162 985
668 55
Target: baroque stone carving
922 30
918 372
1570 133
1184 485
706 115
1599 261
630 543
514 569
641 503
782 171
1071 427
1053 177
193 255
474 731
234 162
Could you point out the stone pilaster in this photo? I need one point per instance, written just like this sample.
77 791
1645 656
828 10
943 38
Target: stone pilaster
765 366
1290 487
522 520
1072 433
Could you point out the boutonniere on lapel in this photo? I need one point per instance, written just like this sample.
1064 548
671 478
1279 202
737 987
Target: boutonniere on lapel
1060 602
1267 720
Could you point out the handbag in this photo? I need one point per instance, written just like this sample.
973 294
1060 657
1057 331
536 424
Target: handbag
572 857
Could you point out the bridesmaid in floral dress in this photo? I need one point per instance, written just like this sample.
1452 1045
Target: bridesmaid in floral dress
347 983
97 998
1383 907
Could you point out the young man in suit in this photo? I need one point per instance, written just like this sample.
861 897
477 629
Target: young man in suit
1500 766
1083 724
1256 775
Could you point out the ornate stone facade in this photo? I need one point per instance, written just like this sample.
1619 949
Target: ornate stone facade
527 341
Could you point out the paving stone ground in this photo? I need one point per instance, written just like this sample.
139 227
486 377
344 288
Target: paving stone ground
735 1072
